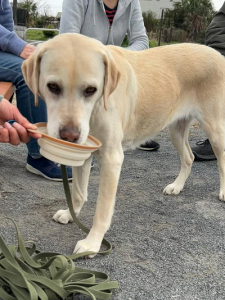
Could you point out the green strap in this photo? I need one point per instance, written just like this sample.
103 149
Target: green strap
28 274
76 220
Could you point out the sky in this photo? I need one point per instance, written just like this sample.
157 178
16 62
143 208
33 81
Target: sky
217 3
56 5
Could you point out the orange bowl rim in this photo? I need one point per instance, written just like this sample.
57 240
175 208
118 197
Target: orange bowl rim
65 143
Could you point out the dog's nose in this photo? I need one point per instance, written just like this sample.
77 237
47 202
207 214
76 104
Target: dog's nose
70 134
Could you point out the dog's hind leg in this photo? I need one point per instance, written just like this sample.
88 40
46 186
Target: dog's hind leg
79 194
179 137
215 132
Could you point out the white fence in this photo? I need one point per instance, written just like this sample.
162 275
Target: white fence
20 31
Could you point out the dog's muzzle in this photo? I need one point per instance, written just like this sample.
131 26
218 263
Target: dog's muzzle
69 133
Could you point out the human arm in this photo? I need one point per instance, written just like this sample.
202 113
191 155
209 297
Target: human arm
137 36
16 133
73 13
215 33
9 41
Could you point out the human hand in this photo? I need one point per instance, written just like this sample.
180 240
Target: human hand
27 51
16 133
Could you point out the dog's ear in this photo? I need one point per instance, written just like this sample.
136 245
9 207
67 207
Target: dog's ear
31 71
112 76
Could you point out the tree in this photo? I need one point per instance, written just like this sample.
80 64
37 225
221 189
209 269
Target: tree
31 7
15 11
150 20
35 10
192 16
44 9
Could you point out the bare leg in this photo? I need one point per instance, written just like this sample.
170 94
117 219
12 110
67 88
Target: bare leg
179 137
79 194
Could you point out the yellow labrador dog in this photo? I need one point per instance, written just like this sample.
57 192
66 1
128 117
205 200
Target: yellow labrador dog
123 98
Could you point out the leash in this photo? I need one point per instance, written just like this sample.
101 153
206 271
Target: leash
28 274
76 220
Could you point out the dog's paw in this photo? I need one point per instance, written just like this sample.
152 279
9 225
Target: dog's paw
63 216
172 189
87 245
222 196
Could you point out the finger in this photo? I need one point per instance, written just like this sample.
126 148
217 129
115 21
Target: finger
20 119
14 138
35 135
23 121
4 135
26 134
22 133
28 125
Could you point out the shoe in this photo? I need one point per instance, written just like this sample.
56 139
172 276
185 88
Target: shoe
203 151
149 146
46 168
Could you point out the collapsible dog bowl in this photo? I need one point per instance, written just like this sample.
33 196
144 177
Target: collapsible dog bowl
63 152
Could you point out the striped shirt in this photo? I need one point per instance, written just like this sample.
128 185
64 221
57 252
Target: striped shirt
110 13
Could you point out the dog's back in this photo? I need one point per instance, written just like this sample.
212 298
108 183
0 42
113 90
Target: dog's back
174 82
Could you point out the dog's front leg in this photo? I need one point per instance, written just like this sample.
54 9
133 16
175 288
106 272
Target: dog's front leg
79 196
110 167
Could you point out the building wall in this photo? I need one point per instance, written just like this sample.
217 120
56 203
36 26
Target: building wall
156 5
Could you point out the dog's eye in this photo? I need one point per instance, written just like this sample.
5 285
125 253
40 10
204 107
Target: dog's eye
54 88
90 91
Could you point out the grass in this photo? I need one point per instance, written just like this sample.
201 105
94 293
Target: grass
37 35
152 43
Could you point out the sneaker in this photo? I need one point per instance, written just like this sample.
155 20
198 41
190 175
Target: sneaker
203 151
46 168
149 146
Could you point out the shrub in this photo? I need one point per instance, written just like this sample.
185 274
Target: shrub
150 20
49 34
40 22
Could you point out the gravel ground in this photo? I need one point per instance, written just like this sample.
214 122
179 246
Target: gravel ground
165 247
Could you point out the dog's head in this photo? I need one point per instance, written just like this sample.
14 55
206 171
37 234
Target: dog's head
71 73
